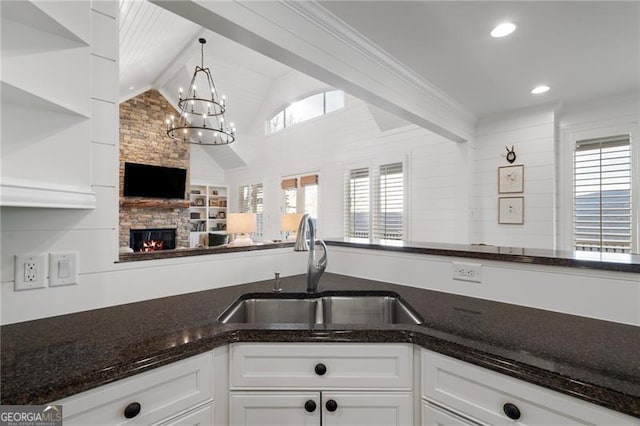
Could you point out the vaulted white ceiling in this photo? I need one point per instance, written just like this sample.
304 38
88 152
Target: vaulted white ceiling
583 50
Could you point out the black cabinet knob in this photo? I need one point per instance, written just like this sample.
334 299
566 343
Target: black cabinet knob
321 369
511 410
132 410
310 406
331 405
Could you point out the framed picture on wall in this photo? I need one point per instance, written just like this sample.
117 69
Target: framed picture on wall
510 179
511 210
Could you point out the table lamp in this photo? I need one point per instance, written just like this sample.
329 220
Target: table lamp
241 224
289 223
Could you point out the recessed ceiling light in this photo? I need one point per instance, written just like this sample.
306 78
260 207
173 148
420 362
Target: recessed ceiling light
503 29
131 87
538 90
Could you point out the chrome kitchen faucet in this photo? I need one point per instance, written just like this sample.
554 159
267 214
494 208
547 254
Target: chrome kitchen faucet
314 268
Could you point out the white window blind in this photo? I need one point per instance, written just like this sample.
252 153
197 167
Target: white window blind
602 195
250 201
357 206
388 221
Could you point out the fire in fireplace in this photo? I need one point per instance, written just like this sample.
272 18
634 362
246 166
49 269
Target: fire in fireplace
146 240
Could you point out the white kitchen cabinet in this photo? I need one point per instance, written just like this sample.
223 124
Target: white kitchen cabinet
262 408
163 393
367 409
363 383
274 408
486 397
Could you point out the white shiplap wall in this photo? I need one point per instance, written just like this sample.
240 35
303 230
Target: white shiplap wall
93 233
532 133
436 168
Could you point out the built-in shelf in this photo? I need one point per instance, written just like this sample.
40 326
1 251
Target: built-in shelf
207 211
23 193
162 204
22 97
32 15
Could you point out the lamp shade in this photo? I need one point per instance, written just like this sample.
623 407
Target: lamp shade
242 223
289 222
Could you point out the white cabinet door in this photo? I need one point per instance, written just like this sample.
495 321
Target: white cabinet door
432 416
367 409
273 409
489 397
160 394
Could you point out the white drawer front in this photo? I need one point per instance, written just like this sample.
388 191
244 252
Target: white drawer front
362 366
162 393
481 394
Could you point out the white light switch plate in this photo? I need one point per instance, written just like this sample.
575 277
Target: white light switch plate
63 269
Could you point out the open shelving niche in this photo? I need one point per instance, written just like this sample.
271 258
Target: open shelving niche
27 169
207 211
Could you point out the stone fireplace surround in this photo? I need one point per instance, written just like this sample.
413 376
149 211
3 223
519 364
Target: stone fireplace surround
143 140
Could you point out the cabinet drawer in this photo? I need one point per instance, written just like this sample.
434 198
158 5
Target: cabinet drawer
480 395
161 393
321 366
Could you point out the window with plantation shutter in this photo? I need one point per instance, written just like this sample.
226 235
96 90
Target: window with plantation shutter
388 217
250 201
301 194
602 219
357 206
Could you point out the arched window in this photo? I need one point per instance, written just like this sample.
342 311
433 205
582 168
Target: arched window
305 109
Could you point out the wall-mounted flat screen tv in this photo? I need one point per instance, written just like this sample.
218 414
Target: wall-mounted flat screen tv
144 180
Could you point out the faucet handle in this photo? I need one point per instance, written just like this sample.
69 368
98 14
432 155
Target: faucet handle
276 282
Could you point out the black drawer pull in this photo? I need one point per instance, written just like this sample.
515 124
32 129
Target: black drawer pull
511 410
310 406
331 405
132 410
321 369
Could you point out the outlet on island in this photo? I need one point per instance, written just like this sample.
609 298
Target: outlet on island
467 272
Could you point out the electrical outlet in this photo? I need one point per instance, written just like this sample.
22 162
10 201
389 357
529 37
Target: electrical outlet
467 272
30 272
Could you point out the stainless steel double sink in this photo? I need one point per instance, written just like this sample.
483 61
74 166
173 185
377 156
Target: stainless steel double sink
334 308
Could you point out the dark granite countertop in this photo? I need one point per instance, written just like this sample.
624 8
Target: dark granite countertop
200 251
49 359
621 262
